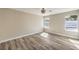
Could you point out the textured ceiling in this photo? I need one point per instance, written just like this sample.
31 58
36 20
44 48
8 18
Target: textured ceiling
49 11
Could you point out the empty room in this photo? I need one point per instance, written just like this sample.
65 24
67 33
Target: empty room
39 29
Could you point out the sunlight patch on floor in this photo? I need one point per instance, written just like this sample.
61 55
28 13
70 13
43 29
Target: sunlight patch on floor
44 34
75 42
46 37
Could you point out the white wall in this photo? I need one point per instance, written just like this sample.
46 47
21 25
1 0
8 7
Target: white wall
57 24
15 23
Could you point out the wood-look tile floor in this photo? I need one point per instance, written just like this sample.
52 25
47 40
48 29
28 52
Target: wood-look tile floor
41 41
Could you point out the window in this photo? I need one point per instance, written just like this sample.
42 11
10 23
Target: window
46 23
71 23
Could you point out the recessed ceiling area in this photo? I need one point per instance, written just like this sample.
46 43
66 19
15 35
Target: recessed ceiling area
49 11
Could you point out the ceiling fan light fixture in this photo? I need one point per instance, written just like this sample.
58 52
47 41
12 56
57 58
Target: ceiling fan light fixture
43 11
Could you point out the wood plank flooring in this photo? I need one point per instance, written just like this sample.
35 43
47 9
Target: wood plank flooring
41 41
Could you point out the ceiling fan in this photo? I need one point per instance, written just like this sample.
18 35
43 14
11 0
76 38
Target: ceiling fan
43 10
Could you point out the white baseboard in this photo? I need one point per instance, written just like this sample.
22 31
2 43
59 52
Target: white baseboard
74 37
17 37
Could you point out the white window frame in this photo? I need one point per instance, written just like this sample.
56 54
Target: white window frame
48 19
77 25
